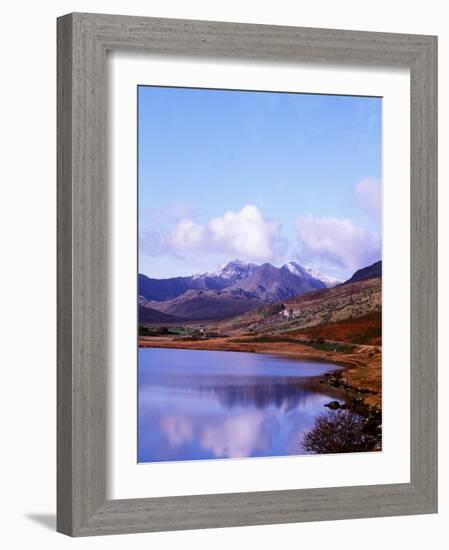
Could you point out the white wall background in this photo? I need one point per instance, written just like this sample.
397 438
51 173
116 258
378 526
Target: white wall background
27 288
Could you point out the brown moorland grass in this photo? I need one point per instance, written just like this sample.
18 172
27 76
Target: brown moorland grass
363 330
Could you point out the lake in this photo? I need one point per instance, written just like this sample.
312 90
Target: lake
218 404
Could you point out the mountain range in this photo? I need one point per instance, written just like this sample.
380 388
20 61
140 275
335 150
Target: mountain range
235 288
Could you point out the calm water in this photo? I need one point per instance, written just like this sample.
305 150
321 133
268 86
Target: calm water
217 404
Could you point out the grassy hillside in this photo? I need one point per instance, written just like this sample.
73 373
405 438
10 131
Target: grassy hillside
351 311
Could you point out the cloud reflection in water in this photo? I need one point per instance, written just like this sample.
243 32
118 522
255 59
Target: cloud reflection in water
204 405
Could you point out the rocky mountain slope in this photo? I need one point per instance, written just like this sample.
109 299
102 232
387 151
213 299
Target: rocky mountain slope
271 284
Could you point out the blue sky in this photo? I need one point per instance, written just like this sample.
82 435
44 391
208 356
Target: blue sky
261 176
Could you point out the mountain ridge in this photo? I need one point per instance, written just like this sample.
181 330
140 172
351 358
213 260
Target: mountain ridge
370 272
236 288
272 284
229 275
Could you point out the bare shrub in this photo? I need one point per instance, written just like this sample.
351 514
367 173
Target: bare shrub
340 431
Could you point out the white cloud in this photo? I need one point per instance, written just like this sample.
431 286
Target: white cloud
368 193
246 233
188 235
338 242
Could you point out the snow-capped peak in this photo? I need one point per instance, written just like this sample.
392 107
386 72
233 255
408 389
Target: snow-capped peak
328 281
299 270
295 268
234 271
235 268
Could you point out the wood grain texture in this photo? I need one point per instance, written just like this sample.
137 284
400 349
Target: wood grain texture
83 40
424 252
64 277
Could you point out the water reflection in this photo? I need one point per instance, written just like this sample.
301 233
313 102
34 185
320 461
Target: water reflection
203 404
282 395
237 437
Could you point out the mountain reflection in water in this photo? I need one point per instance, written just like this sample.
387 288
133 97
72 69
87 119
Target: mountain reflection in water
216 404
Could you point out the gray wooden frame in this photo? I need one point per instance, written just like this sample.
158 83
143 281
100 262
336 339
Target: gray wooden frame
83 40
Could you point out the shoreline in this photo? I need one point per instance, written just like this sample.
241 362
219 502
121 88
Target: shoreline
360 375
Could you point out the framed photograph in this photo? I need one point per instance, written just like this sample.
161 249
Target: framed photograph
247 283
